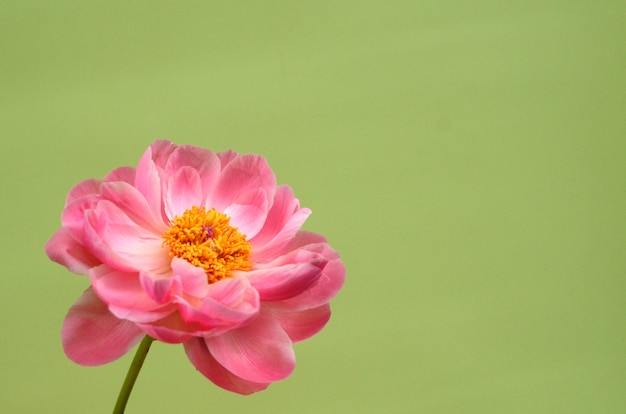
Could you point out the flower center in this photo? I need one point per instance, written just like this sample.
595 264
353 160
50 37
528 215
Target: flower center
206 239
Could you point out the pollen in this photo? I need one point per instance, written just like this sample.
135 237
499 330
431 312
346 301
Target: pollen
206 239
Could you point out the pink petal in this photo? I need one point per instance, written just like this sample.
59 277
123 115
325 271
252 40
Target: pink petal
83 189
205 162
287 280
242 176
283 222
183 279
184 190
147 179
124 174
120 242
65 250
128 199
91 335
249 214
227 305
259 352
329 283
171 329
303 324
201 358
122 290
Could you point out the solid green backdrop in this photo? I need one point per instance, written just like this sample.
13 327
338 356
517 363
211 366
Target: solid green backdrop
467 159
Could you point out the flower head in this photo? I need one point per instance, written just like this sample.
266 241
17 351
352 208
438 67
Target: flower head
198 248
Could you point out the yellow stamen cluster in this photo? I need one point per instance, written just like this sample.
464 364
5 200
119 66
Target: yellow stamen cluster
206 239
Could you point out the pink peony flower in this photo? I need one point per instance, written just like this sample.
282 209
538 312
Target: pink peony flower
197 248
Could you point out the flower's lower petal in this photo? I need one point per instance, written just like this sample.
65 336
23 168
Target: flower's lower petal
260 351
228 304
193 279
201 358
91 335
282 282
165 330
303 324
65 250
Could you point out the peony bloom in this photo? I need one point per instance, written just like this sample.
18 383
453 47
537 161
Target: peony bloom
197 248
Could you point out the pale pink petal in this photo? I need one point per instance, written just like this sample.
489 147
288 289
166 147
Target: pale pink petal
201 358
132 246
205 162
260 351
65 250
228 304
183 279
91 335
128 199
303 324
240 177
287 280
184 190
248 214
226 157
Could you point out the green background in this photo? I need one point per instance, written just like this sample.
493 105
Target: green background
466 158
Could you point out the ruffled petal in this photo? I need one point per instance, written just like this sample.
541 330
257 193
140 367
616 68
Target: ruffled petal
303 324
123 174
147 179
91 335
227 305
65 250
329 283
201 358
129 200
283 281
260 351
83 189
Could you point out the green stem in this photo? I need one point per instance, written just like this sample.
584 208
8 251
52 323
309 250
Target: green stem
131 375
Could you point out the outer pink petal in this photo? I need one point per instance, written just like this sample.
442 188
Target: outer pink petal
84 188
304 324
183 279
124 174
204 362
147 179
288 280
91 335
259 352
65 250
242 176
171 329
329 283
